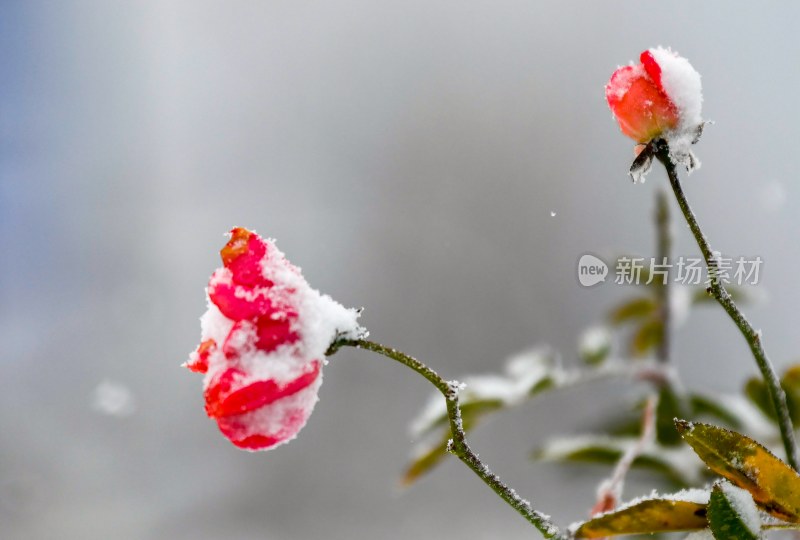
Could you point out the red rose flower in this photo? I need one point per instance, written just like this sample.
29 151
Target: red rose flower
263 343
659 97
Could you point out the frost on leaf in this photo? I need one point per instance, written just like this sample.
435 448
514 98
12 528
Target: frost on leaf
774 486
682 511
642 165
525 375
673 462
732 514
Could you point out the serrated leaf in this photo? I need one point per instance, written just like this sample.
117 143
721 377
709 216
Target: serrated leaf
732 514
774 485
649 516
647 337
638 308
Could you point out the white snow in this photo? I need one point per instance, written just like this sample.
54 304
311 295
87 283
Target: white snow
705 534
277 419
113 399
680 301
320 320
624 79
594 341
742 503
681 82
522 373
681 459
692 495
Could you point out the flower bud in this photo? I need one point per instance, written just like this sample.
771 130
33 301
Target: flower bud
661 97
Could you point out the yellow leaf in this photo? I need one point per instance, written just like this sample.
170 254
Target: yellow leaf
774 485
649 516
425 462
637 308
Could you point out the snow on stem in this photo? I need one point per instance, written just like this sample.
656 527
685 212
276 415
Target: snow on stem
458 444
721 295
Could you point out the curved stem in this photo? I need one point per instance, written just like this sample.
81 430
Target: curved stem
718 291
458 444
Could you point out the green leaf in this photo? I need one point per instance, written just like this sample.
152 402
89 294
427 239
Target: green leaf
431 457
732 514
605 450
647 337
424 462
739 295
670 406
635 309
649 516
756 390
791 385
774 485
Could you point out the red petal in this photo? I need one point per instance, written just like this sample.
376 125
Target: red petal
244 430
224 399
643 111
652 68
198 361
275 332
257 442
242 255
237 302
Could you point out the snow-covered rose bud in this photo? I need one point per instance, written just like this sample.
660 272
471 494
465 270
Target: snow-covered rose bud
659 98
640 106
263 343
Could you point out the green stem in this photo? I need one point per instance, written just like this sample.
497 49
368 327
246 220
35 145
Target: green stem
458 444
721 294
664 248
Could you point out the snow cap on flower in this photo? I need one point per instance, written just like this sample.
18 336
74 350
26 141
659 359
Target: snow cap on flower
263 342
659 98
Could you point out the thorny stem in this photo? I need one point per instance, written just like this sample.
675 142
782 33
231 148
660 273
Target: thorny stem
721 294
458 444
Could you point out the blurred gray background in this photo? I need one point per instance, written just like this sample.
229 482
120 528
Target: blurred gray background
408 155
